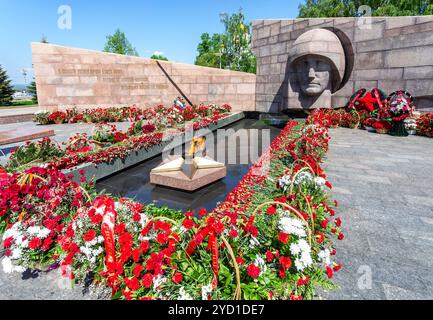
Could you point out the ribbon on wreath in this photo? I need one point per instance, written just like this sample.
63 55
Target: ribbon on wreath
212 246
107 230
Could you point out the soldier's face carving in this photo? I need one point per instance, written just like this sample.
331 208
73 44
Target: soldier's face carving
314 75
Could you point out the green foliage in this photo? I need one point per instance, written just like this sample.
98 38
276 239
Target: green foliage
32 89
158 57
349 8
230 50
6 89
118 43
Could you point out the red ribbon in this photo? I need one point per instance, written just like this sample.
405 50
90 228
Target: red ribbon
107 230
212 246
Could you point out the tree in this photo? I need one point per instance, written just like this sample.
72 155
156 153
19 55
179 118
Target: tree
44 39
6 90
118 43
32 89
158 57
349 8
231 49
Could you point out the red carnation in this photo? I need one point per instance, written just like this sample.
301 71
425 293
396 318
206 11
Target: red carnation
136 217
341 236
286 262
202 212
8 242
320 237
283 237
144 246
240 261
269 256
177 277
147 280
136 255
47 244
120 229
89 235
253 271
188 224
35 243
132 283
295 297
303 281
97 219
271 210
329 272
324 224
338 222
233 233
137 270
337 267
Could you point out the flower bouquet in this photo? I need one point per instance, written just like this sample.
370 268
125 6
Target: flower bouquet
382 126
425 124
103 134
58 117
42 116
78 143
353 119
411 126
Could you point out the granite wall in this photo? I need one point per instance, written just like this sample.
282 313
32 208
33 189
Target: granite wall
67 77
394 53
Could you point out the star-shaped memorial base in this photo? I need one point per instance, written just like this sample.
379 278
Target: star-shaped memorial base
188 175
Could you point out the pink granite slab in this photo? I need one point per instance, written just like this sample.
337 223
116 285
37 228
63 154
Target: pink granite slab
23 134
179 180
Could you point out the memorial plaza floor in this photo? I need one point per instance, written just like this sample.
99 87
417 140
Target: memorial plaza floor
384 187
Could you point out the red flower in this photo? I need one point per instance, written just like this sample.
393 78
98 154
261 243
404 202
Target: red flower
132 283
8 242
89 235
286 262
337 267
269 256
188 224
162 238
35 243
303 280
329 272
233 233
202 212
137 270
144 246
295 297
147 280
338 222
177 277
136 255
97 219
320 237
253 271
47 244
283 237
341 236
82 172
189 214
240 261
136 217
271 210
324 224
328 184
120 229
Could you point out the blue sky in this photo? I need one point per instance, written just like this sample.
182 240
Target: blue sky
170 26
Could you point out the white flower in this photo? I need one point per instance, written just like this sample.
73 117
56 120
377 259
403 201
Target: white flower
7 265
183 295
16 254
325 256
33 230
302 251
254 242
158 281
320 182
260 262
292 226
205 291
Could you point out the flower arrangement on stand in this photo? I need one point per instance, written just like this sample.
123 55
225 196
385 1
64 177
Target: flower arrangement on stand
103 134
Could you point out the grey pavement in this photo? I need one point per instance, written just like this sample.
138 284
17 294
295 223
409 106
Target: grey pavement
384 187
